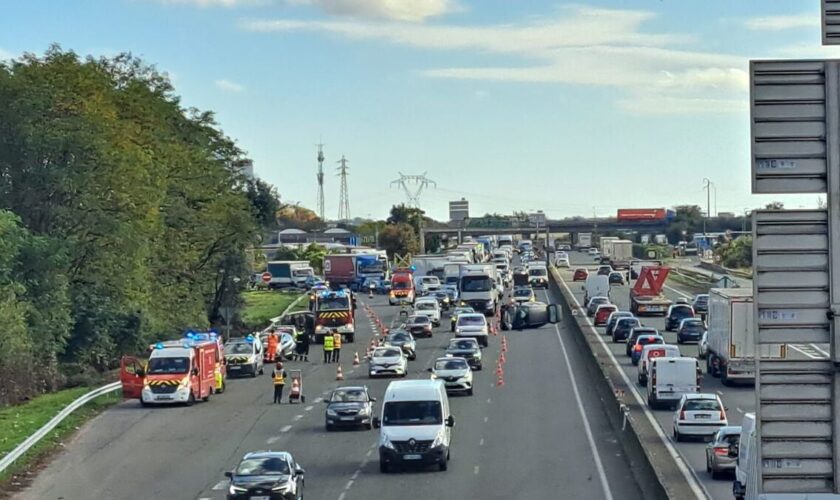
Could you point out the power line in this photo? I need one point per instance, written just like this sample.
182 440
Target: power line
344 197
419 182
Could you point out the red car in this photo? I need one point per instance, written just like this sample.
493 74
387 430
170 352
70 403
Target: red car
602 314
580 274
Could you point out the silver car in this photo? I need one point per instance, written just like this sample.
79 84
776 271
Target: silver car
404 340
718 461
455 373
388 360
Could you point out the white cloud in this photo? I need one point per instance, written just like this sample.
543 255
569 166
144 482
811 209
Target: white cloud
397 10
781 23
582 46
229 86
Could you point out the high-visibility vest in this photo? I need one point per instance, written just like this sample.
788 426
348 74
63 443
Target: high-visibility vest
329 343
337 340
279 377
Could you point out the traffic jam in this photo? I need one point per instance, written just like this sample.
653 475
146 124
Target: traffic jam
461 302
691 356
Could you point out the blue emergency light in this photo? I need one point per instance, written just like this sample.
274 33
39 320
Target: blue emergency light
190 334
249 339
413 268
159 345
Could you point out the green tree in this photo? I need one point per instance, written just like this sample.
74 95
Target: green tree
775 205
265 202
399 239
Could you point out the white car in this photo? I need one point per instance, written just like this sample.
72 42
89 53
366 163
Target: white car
653 351
429 307
456 374
699 414
593 252
472 325
427 284
703 346
562 261
388 360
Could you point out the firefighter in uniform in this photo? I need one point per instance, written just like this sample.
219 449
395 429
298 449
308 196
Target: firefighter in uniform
278 376
272 345
336 346
329 344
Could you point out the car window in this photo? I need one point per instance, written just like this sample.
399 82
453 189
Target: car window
239 348
262 467
450 364
349 396
701 405
426 306
471 320
387 353
412 413
462 344
419 320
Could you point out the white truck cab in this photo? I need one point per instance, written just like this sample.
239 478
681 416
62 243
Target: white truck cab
670 378
415 425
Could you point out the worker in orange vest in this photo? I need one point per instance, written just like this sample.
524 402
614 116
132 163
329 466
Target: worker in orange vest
278 376
272 345
336 346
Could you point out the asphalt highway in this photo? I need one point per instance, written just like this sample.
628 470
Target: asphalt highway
739 399
539 436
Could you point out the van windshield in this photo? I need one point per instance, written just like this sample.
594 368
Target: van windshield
166 366
476 284
412 413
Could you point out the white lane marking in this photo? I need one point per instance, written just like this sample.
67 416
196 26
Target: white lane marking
297 417
272 440
488 400
219 486
308 408
720 393
205 498
318 400
356 475
343 494
808 353
286 428
485 419
475 470
739 410
605 484
369 453
696 486
348 485
481 443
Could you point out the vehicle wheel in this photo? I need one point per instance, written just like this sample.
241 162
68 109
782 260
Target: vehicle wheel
254 372
724 378
470 392
708 467
443 465
351 339
222 389
677 436
191 400
369 426
715 474
145 404
207 397
715 366
679 340
383 467
479 368
262 370
614 339
328 427
404 374
302 399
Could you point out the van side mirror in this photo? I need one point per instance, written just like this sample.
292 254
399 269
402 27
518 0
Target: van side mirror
140 372
450 421
299 471
377 423
733 450
195 371
228 474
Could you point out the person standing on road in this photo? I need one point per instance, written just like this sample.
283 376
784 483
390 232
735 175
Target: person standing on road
329 345
272 345
336 346
278 376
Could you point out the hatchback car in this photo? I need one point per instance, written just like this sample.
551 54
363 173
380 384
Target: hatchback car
387 360
602 314
453 318
455 374
635 333
442 297
473 325
641 342
428 306
349 407
580 274
699 414
701 303
273 475
593 304
405 341
604 270
690 330
562 261
466 348
614 317
524 294
675 314
419 326
616 278
622 328
718 461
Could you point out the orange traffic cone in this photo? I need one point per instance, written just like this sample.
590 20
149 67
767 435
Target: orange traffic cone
339 375
493 328
500 381
500 371
502 359
356 359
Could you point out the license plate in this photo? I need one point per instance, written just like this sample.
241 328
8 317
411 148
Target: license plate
235 367
347 419
164 398
702 417
412 457
260 498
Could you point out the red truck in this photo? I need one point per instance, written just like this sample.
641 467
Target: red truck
646 297
402 287
334 312
645 214
340 269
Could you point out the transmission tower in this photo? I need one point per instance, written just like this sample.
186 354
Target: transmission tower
320 176
413 186
344 199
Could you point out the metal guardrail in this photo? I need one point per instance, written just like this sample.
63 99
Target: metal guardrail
25 446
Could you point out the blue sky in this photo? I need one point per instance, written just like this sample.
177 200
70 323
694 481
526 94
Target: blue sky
515 105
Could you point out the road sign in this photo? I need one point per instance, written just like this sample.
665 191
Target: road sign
792 109
266 277
831 22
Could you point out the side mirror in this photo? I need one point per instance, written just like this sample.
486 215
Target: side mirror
429 370
450 421
377 423
299 470
195 371
141 372
228 474
733 451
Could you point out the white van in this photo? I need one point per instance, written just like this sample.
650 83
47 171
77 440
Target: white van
653 351
746 461
415 425
426 284
596 285
670 378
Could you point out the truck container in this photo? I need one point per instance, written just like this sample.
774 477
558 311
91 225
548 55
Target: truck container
289 273
645 215
505 240
621 253
604 246
646 297
584 241
340 269
430 265
731 336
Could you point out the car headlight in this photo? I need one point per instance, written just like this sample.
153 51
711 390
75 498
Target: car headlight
385 442
233 490
331 413
184 383
434 377
438 440
458 331
319 328
364 411
282 488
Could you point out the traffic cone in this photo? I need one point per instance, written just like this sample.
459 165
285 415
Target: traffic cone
502 359
356 361
339 375
370 293
500 381
493 328
500 371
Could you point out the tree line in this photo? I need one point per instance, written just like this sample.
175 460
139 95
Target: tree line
124 218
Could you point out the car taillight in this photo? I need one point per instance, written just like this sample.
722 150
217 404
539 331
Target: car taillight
721 451
682 414
637 347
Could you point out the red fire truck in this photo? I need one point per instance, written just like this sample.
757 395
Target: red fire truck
402 287
334 311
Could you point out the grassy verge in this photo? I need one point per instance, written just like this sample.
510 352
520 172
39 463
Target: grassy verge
261 306
21 421
689 283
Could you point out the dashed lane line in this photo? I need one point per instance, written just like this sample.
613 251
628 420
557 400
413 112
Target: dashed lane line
286 428
272 440
219 486
309 408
